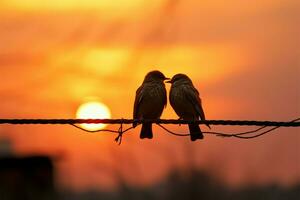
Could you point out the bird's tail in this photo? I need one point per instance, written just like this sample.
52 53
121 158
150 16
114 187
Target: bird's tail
146 131
195 132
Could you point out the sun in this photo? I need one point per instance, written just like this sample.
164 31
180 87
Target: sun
93 110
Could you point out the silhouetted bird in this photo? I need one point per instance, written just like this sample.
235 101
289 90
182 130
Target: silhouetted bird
150 100
185 100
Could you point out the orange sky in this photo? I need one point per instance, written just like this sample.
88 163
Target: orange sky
242 56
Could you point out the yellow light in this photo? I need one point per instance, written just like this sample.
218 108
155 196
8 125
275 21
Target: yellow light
72 5
93 110
105 61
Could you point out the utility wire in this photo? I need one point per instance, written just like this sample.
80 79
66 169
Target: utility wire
240 135
159 122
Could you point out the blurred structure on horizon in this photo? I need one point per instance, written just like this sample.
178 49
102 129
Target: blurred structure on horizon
25 177
193 184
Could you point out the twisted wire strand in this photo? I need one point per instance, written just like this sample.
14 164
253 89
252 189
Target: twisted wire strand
237 135
159 122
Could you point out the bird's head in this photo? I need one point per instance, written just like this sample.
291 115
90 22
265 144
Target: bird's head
155 76
179 78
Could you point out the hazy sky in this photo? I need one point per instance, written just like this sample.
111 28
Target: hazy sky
243 56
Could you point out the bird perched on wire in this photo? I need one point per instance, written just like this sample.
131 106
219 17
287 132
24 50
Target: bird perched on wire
150 100
185 100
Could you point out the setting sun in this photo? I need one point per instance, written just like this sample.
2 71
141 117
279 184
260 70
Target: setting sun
93 110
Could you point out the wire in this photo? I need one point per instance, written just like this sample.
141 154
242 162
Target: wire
237 135
118 139
94 131
159 122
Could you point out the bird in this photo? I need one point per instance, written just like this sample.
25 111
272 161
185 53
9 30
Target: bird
150 101
184 99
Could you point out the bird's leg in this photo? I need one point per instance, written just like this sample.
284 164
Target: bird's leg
142 118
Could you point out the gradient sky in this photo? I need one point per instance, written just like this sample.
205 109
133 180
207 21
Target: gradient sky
243 57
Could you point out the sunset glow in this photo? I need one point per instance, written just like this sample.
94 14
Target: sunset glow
57 55
71 4
105 61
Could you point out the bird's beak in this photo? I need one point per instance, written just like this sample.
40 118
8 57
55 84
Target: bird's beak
168 80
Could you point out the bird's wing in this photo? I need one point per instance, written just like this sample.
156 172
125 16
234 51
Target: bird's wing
192 94
164 92
159 91
137 101
165 98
